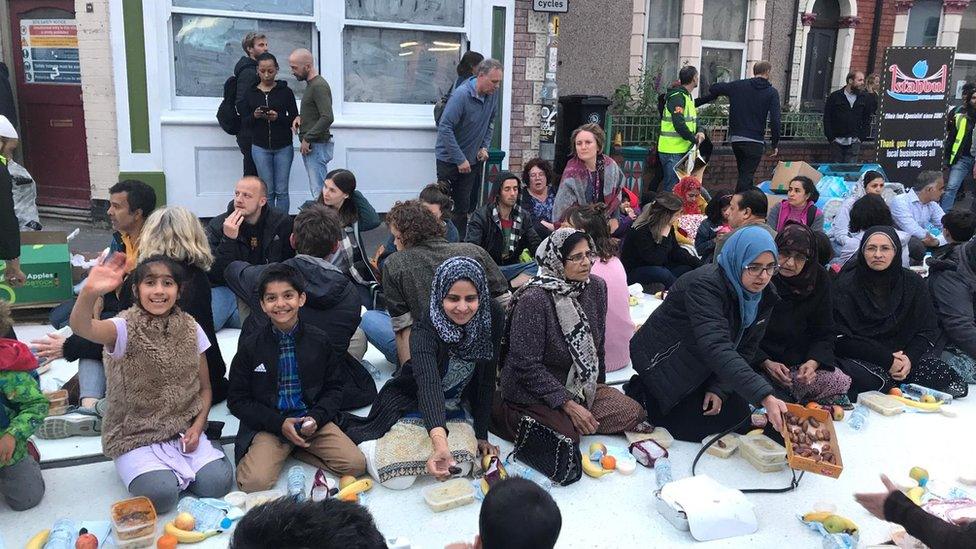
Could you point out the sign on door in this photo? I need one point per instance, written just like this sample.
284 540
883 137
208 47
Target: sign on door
50 51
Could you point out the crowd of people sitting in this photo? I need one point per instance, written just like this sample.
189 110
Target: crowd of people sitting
521 313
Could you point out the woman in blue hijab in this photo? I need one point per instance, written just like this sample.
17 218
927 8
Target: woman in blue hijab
693 355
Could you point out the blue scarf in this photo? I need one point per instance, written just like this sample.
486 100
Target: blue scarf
741 249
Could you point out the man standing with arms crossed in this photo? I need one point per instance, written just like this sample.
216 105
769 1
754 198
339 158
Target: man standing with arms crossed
463 136
314 119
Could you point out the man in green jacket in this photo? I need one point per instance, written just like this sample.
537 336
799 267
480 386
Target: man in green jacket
679 125
314 119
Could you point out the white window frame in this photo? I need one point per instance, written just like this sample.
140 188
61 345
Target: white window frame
649 40
178 102
728 45
387 110
713 44
938 33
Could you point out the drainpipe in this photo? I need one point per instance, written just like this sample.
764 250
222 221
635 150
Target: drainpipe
875 33
789 70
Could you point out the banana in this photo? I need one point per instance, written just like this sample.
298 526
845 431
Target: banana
915 494
39 539
816 516
836 524
592 469
355 488
923 406
187 536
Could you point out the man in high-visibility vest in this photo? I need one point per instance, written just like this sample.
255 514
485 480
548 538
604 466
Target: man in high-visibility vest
679 125
959 153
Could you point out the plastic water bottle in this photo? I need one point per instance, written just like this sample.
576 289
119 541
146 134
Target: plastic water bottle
374 372
518 469
296 482
207 517
662 470
63 535
859 417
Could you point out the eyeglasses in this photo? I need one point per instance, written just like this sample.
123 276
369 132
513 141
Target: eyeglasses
796 257
756 270
578 258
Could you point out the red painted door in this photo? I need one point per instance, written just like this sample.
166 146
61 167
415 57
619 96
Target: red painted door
52 116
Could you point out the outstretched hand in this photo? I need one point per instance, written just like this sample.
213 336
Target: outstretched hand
107 276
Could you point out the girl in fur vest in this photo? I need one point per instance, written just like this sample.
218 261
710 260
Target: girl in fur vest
157 385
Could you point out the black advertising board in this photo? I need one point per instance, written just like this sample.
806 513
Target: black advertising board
915 86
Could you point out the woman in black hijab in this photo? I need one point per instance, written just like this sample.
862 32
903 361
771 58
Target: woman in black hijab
797 350
886 322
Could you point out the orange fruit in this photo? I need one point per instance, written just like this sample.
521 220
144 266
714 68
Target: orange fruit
608 462
895 392
168 541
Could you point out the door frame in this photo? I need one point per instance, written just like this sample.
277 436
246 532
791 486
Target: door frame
817 104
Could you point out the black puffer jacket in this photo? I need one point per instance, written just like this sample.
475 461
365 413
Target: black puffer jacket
253 396
483 231
332 306
689 341
952 283
272 231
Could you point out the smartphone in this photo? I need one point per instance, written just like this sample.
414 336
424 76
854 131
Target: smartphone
264 109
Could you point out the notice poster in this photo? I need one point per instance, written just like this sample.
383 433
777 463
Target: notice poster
50 51
915 91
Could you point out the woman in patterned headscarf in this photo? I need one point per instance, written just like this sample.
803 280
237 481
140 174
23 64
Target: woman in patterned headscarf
797 351
553 366
420 417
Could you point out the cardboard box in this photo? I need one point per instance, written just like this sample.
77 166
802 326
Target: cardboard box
832 470
786 171
45 260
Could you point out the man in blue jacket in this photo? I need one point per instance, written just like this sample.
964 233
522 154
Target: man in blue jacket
752 101
463 136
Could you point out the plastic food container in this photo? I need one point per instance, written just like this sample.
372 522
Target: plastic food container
58 401
832 470
257 498
723 447
881 403
448 495
138 543
236 499
133 519
660 435
763 453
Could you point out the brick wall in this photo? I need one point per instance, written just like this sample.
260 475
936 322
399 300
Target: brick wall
98 95
862 36
527 72
721 174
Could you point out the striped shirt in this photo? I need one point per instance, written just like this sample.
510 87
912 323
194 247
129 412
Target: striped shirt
289 384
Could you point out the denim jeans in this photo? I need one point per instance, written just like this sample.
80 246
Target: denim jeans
668 162
91 378
274 167
659 274
845 154
379 331
511 271
224 305
464 190
958 173
317 165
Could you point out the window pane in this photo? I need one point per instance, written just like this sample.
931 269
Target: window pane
282 7
425 12
664 19
725 20
719 66
923 23
398 66
962 72
661 64
205 50
967 34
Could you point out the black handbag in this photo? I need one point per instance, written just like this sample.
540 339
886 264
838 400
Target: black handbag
553 454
